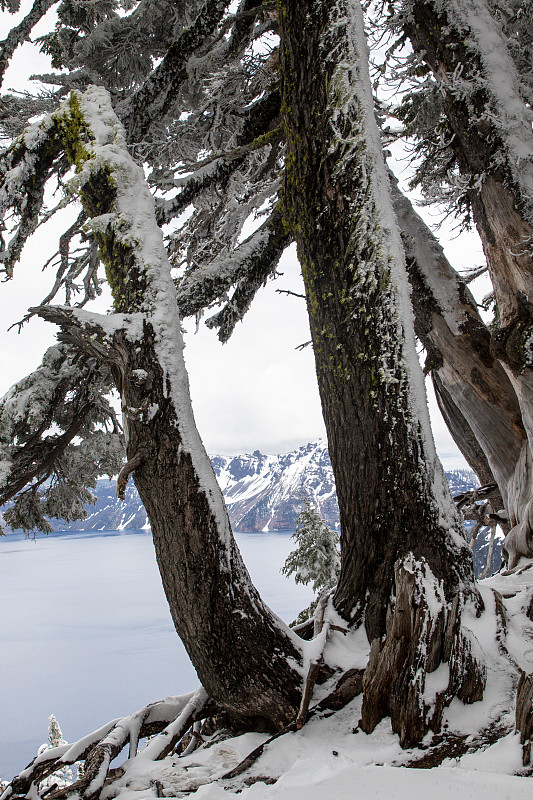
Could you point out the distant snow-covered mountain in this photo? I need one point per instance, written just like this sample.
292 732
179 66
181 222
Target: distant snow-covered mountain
263 493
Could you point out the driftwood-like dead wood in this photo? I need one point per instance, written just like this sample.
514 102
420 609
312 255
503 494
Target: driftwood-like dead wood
524 715
169 720
418 640
488 564
481 493
310 682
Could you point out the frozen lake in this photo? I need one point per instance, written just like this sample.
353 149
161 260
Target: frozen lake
86 633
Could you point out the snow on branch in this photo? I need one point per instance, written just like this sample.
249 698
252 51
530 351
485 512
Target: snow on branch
20 33
58 433
121 216
255 259
150 102
511 115
168 720
212 172
24 171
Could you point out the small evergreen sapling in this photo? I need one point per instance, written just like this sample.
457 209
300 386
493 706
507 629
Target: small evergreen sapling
64 776
316 558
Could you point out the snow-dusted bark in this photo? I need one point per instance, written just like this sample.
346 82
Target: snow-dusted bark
397 519
490 127
231 636
470 383
472 51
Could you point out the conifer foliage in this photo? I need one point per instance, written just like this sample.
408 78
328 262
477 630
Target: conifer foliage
195 141
316 557
64 776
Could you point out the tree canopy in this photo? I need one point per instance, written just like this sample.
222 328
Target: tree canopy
198 140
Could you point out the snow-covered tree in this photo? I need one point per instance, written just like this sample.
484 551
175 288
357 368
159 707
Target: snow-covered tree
193 119
316 557
207 586
64 776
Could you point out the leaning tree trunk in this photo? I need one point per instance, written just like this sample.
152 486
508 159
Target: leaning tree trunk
492 140
473 390
246 658
398 524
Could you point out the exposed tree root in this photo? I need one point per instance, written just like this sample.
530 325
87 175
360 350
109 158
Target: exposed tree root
170 719
348 686
524 715
446 746
422 633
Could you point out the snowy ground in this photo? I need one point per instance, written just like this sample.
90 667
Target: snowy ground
328 761
332 759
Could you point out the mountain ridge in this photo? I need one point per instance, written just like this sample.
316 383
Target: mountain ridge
263 493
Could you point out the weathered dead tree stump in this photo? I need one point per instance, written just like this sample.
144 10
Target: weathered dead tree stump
420 636
524 715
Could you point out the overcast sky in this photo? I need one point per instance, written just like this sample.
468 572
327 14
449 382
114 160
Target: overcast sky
256 392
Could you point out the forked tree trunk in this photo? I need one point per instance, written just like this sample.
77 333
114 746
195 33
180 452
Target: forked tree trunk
398 525
246 658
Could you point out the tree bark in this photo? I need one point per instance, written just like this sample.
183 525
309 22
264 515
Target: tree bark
246 658
474 393
336 200
443 36
239 648
489 145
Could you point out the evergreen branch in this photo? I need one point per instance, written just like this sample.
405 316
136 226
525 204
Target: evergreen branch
151 101
20 33
43 455
32 168
246 16
253 261
223 166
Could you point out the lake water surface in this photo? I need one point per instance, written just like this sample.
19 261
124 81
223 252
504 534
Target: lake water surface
86 634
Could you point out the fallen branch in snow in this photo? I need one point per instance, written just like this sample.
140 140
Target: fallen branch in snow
349 685
247 762
310 682
170 719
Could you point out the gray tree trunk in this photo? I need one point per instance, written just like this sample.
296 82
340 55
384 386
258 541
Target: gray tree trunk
489 149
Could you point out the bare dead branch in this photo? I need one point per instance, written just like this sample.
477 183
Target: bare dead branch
288 291
125 473
310 682
169 718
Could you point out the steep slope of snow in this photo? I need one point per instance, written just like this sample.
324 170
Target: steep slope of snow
478 754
